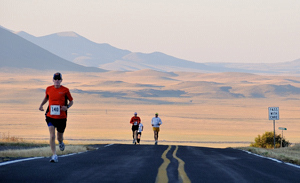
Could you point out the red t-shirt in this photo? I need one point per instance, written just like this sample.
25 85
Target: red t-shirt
135 120
58 97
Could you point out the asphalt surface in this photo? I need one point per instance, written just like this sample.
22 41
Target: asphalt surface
150 163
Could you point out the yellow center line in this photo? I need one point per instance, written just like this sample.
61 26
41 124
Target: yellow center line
181 173
162 176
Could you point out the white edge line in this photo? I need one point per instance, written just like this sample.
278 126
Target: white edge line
108 145
297 166
19 160
71 154
276 160
28 159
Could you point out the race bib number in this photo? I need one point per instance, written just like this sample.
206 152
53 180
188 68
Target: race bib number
55 110
135 123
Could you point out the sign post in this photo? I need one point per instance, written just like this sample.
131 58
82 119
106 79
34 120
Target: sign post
274 115
281 128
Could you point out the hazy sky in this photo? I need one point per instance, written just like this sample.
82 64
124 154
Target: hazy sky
197 30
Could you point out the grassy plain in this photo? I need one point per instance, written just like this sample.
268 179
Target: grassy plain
201 109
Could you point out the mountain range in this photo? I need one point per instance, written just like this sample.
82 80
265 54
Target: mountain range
20 49
75 48
17 52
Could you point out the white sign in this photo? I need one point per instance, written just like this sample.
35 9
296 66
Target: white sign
273 113
54 110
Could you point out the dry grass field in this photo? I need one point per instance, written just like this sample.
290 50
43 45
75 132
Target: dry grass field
201 109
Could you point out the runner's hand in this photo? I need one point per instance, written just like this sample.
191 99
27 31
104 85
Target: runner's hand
41 108
64 108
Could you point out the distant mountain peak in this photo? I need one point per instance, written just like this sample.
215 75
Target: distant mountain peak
134 56
67 34
18 32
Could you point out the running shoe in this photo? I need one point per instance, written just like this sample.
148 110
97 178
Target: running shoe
61 146
156 142
54 159
133 141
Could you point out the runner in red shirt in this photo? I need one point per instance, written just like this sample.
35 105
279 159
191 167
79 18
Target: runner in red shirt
60 100
135 121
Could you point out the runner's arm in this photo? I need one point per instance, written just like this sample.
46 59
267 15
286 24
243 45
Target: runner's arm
65 108
131 120
70 104
45 100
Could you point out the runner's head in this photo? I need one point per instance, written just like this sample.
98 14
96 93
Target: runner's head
156 114
135 113
57 76
57 79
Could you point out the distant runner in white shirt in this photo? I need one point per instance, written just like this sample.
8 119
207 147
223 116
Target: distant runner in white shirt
156 122
139 133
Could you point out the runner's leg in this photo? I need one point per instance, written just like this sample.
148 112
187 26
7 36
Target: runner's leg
138 138
60 136
52 139
135 134
155 135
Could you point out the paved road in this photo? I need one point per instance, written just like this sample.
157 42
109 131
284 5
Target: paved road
149 163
